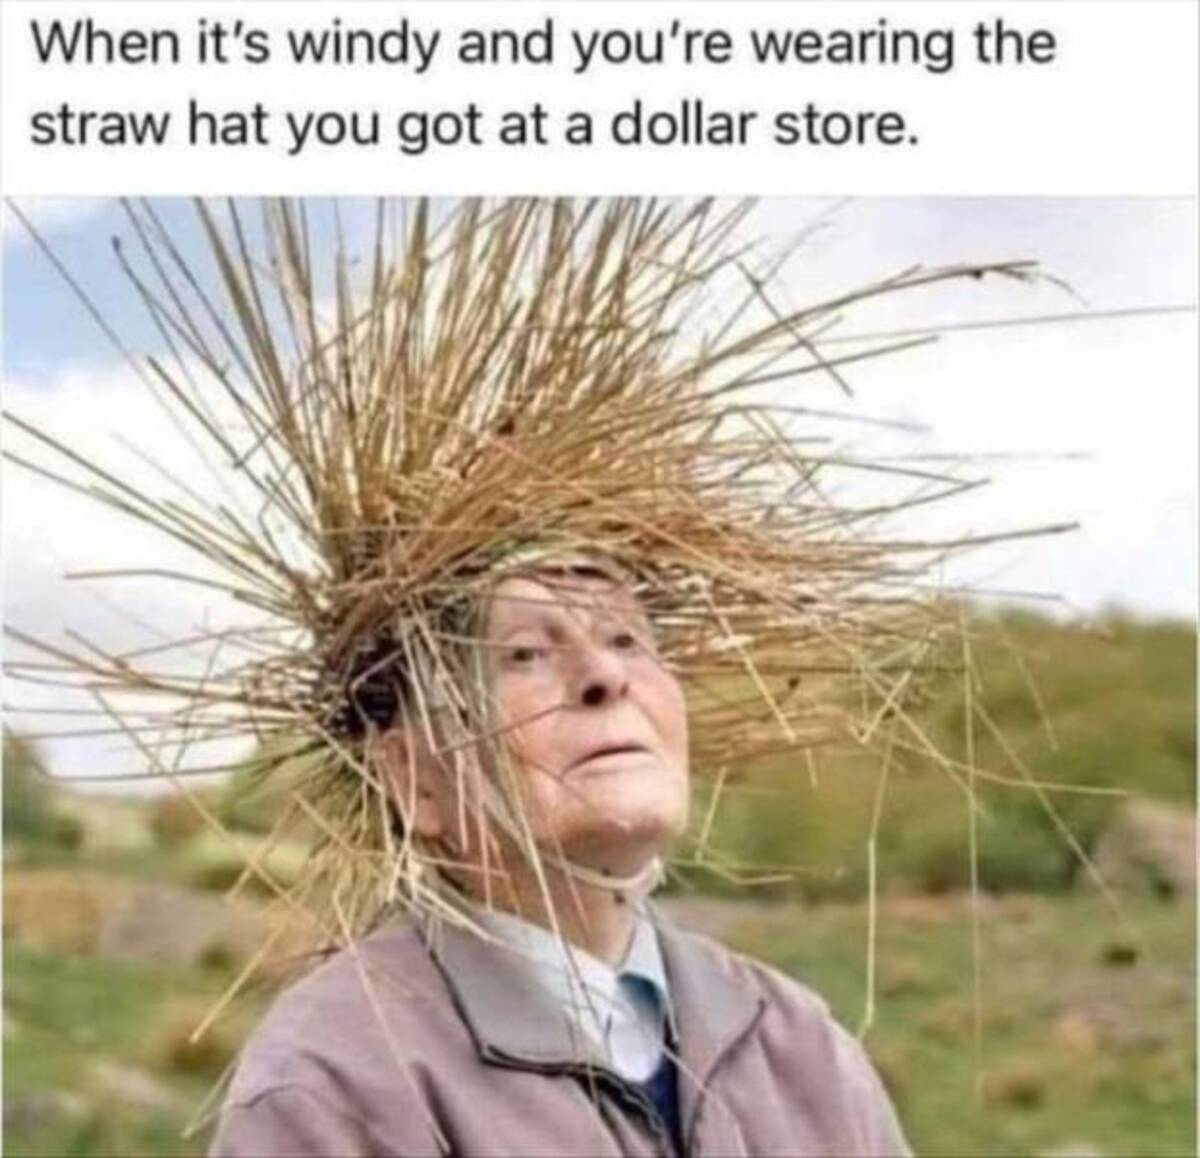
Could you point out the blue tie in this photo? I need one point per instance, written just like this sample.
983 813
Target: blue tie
662 1087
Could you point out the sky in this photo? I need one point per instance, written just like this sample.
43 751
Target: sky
1089 421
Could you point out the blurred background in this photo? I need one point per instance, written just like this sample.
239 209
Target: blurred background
1038 999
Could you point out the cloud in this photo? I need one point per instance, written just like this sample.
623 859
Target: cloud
1119 392
107 416
50 216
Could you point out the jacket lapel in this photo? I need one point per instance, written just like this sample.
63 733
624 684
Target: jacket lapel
715 1008
714 1005
511 1017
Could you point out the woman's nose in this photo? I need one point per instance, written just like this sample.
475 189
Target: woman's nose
601 678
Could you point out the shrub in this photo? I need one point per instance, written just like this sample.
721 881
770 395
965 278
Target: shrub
175 820
66 832
213 864
219 956
28 794
171 1049
257 793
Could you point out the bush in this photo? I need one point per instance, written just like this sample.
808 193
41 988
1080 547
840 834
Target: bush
28 795
929 851
219 956
171 1050
213 864
66 832
219 876
174 820
257 793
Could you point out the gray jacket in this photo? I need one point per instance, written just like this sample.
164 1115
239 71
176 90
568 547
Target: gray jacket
406 1046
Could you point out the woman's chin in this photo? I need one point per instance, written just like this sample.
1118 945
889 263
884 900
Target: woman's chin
623 843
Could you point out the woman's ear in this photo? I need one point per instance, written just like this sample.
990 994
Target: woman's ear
410 774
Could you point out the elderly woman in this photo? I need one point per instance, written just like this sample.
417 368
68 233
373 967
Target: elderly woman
579 1022
503 495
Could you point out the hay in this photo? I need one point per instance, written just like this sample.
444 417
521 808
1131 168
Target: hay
500 380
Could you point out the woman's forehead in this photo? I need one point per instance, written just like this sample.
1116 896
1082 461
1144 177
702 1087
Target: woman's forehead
534 596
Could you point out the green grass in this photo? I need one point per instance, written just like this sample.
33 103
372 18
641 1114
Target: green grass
67 1017
1074 1049
1125 1086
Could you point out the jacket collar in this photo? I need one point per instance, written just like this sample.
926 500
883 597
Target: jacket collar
589 990
511 1014
515 1021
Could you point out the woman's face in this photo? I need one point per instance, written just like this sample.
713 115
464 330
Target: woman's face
595 725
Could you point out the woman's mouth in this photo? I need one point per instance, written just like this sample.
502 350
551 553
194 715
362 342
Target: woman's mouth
606 754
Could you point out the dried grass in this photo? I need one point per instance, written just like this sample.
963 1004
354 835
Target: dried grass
500 382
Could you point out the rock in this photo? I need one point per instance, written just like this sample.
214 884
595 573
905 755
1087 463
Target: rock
1149 847
80 912
174 926
1072 1150
170 925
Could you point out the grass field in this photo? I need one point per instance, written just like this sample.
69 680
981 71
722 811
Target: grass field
1086 1020
1086 1039
1087 1027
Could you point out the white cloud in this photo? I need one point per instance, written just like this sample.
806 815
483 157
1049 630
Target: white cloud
1122 392
109 417
49 216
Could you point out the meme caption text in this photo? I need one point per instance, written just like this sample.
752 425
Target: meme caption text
605 94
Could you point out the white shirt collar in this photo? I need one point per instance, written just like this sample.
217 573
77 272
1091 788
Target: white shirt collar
625 1018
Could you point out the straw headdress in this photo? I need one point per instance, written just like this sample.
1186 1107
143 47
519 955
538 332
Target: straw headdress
497 384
